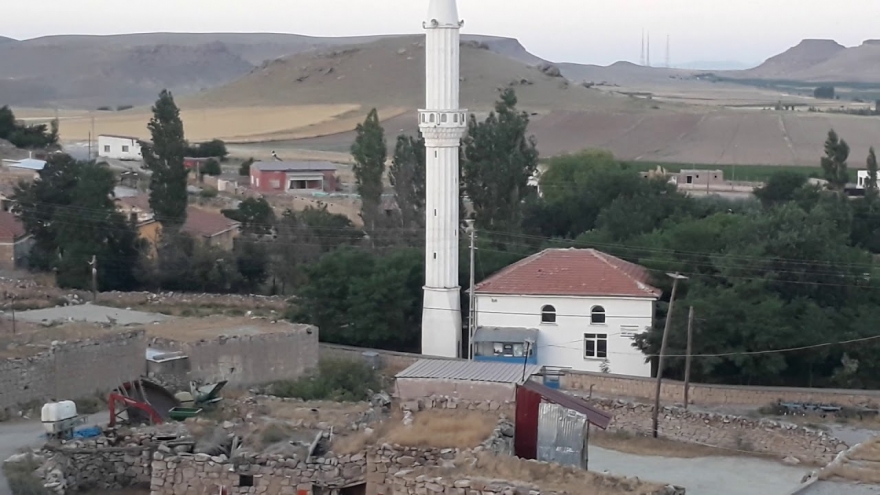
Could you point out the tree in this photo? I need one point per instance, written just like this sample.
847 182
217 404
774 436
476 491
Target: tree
871 183
245 169
498 161
256 216
781 187
370 151
27 136
210 149
834 161
408 179
252 261
7 122
824 92
212 167
164 158
71 215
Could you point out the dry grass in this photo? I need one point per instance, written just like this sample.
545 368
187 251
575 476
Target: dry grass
444 429
336 414
549 476
353 443
32 338
861 465
661 447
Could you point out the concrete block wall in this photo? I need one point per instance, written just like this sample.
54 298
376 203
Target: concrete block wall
610 385
250 359
73 370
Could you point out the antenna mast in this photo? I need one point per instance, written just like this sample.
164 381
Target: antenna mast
642 56
668 61
648 58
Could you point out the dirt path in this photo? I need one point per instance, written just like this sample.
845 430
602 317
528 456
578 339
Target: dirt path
703 475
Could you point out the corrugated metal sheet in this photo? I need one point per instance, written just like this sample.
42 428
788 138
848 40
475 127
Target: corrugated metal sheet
469 370
595 416
525 437
561 435
497 334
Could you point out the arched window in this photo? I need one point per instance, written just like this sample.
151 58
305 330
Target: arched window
443 118
548 314
432 118
597 315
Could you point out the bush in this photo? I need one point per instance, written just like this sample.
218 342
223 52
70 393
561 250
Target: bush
245 169
212 167
208 193
123 107
211 149
336 380
89 405
104 109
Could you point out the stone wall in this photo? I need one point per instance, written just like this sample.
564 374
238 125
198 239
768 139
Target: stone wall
436 402
604 384
197 474
774 438
249 359
72 370
94 465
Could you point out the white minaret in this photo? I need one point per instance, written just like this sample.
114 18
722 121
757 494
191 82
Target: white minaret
443 124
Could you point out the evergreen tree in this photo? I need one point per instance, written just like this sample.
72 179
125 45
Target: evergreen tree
370 151
499 159
408 179
164 158
871 184
834 161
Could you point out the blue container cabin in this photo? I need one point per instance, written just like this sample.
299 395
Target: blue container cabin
506 345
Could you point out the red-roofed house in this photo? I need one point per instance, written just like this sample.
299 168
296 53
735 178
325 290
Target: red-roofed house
212 228
15 243
584 305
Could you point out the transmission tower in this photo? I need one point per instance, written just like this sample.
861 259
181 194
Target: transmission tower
668 60
642 56
648 57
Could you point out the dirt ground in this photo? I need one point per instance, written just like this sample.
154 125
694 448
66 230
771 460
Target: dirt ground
193 329
29 339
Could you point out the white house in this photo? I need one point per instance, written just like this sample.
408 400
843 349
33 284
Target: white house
119 147
863 177
587 306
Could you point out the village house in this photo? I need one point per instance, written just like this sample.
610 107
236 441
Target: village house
268 177
119 147
571 308
15 243
209 227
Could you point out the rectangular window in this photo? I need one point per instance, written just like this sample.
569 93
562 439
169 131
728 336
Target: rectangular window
595 345
125 149
629 331
107 149
275 184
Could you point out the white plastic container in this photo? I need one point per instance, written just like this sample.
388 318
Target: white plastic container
54 412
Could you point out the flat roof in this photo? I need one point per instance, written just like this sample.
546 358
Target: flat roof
28 163
118 136
594 415
443 369
301 166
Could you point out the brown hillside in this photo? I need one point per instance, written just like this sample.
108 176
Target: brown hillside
391 73
859 64
806 54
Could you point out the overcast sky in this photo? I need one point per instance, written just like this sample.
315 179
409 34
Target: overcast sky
585 31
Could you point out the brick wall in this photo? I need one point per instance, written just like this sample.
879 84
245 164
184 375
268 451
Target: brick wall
250 359
643 388
72 370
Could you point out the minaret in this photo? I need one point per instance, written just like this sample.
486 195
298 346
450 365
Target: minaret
443 125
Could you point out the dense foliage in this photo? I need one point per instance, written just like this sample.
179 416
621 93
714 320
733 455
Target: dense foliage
370 151
214 148
26 136
164 158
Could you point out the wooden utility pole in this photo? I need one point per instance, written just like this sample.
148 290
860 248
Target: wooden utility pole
472 300
675 278
94 266
687 362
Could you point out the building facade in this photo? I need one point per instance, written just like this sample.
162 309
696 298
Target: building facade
282 177
578 308
15 243
119 147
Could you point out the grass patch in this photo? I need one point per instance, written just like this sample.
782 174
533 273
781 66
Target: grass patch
21 478
444 429
275 433
90 405
334 380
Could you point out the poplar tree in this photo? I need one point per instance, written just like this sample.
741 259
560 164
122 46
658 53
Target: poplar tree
370 152
871 185
164 158
407 176
834 161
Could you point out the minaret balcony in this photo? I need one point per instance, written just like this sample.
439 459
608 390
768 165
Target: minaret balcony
443 118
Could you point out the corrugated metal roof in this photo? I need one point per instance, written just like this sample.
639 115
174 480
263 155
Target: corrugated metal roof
28 163
469 371
505 334
595 416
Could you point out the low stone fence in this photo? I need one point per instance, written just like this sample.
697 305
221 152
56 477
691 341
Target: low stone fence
176 474
764 436
94 465
435 402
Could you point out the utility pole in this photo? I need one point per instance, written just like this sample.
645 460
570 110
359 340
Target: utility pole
94 266
668 60
472 310
675 278
649 49
13 313
687 362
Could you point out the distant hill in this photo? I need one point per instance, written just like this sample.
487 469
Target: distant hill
390 73
619 73
805 55
90 71
859 64
4 39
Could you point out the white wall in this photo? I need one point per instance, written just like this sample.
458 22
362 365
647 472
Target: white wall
562 343
119 148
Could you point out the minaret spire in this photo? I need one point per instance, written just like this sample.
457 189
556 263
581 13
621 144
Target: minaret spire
443 124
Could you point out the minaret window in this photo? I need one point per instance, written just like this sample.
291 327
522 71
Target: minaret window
432 118
443 118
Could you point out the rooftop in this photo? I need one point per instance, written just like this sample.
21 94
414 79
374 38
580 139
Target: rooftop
118 136
206 223
469 371
293 166
28 163
571 272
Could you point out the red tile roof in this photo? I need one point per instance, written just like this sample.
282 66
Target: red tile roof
11 229
571 272
141 202
205 223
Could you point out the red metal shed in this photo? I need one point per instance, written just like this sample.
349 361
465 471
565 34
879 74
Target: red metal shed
528 399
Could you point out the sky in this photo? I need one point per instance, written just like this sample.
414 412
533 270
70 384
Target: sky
582 31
